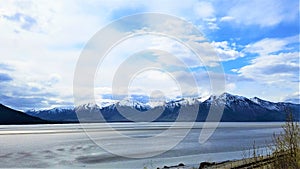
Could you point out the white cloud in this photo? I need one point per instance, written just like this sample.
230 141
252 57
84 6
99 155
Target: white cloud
43 52
294 97
227 51
152 80
281 69
204 9
230 87
212 26
274 71
269 45
175 63
226 18
44 55
177 57
264 13
275 64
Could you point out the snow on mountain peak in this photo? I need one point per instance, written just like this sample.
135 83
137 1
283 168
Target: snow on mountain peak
265 104
231 97
154 104
182 102
106 103
256 100
133 103
58 109
88 106
203 99
225 98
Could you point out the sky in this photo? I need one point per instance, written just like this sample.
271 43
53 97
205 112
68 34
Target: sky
256 44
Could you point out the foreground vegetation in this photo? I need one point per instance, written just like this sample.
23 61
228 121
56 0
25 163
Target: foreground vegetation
286 149
284 152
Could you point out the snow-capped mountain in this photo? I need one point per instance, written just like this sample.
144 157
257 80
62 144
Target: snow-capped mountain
181 102
55 114
133 104
265 104
227 99
236 108
88 106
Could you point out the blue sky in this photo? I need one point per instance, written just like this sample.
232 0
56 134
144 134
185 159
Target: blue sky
40 43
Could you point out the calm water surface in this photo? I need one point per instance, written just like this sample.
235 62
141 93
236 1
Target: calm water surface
68 146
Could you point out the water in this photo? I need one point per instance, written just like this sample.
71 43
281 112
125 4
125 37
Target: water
68 146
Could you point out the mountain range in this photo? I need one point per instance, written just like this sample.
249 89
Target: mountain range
236 109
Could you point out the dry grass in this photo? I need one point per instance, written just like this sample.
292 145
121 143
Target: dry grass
285 151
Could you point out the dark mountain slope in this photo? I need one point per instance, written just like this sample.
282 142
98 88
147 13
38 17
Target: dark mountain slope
10 116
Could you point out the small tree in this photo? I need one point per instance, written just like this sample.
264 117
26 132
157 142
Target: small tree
286 151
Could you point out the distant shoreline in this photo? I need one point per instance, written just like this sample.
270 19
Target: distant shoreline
250 162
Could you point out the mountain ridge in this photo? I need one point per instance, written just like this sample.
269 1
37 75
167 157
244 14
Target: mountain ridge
236 108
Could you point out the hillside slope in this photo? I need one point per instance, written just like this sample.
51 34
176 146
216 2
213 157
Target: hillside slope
10 116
